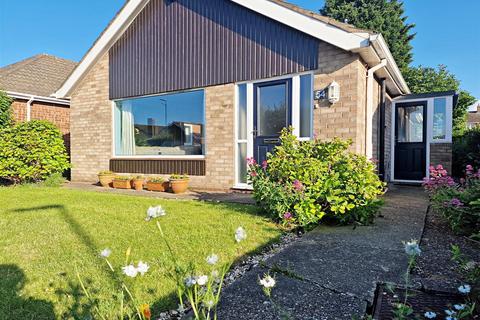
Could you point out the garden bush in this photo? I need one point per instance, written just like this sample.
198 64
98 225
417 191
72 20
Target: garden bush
5 110
466 151
31 152
458 202
306 181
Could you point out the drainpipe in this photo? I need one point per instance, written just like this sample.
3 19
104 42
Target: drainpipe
29 108
369 110
382 128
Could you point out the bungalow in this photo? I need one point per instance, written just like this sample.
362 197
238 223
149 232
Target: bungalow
31 82
196 87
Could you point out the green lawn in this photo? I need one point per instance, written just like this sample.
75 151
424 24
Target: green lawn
46 233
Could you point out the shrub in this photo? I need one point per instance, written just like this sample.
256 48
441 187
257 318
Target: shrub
31 152
305 181
5 111
459 202
466 151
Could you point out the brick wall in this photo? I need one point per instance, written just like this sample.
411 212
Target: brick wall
91 131
441 153
346 118
91 126
19 109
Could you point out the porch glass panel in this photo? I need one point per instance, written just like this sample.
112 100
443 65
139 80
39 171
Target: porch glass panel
439 118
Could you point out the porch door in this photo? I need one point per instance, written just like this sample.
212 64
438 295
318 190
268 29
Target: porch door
410 141
272 112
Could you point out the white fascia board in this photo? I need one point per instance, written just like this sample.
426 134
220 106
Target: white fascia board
26 96
379 43
103 44
313 27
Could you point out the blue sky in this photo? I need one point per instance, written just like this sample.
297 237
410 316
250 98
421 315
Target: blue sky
447 32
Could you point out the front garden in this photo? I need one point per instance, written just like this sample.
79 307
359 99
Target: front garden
51 235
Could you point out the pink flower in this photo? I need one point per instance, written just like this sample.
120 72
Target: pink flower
264 165
287 216
456 202
439 167
251 161
298 185
253 174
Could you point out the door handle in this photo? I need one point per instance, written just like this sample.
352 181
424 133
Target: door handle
255 132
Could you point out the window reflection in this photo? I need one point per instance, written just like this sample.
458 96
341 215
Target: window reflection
170 124
410 124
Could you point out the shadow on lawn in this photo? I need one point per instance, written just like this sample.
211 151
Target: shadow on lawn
12 304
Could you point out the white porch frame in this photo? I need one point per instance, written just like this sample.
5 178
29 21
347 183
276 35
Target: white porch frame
430 112
250 104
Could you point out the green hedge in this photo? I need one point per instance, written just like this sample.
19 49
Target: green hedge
31 152
305 181
466 151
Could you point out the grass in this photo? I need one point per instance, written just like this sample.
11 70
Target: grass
49 233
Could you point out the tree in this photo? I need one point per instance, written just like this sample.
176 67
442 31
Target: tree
382 16
5 111
427 79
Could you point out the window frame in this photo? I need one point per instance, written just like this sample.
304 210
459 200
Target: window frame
296 90
114 155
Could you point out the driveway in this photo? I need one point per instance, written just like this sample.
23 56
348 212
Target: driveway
332 272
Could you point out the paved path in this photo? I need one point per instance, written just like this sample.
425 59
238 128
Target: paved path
331 273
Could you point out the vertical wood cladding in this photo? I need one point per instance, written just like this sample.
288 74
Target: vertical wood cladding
183 44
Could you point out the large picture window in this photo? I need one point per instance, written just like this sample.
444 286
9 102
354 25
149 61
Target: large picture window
166 125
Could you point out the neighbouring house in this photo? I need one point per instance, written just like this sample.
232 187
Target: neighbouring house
31 82
473 116
195 87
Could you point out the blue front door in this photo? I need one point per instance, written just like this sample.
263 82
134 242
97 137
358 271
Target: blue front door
272 112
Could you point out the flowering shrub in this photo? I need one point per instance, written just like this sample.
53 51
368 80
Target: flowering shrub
458 202
304 181
439 178
466 150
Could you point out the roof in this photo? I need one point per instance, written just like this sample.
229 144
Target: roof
40 75
474 107
426 95
439 94
370 46
344 26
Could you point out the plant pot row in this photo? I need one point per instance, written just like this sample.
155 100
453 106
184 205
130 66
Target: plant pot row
177 184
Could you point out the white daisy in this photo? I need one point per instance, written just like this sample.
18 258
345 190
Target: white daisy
465 289
268 282
130 271
240 234
412 248
212 259
202 280
105 253
142 267
155 212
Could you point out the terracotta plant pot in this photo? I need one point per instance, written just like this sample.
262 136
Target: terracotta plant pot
106 180
122 184
138 184
157 186
179 185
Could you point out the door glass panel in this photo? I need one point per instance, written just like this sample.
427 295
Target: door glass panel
410 124
242 163
272 109
242 112
306 106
